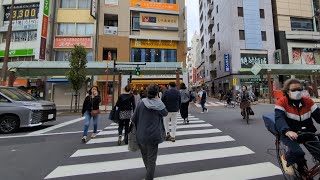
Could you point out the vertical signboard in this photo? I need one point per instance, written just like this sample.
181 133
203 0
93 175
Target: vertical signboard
43 29
93 9
227 63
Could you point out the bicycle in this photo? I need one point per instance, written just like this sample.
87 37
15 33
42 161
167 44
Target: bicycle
292 173
246 111
229 103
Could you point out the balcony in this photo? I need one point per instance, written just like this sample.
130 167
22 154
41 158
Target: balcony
212 38
110 30
211 23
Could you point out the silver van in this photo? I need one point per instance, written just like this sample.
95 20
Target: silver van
19 109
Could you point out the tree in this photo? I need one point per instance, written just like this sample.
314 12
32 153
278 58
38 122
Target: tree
77 73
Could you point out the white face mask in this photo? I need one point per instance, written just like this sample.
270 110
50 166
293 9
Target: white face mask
296 95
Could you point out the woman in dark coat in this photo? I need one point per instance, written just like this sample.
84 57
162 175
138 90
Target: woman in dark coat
185 99
126 105
90 103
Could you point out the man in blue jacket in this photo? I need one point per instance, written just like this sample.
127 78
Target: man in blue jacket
172 99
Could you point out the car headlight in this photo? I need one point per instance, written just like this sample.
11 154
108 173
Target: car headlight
31 104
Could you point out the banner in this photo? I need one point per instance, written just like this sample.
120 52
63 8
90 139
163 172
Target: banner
154 5
159 21
305 56
248 60
154 44
69 42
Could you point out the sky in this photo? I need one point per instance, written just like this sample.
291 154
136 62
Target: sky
192 18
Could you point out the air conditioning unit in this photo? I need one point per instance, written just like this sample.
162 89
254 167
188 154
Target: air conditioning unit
111 30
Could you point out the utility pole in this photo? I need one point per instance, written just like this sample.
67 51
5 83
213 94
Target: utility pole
314 78
7 49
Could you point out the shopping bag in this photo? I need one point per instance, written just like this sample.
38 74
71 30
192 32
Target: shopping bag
132 138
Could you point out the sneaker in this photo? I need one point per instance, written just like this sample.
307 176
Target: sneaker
173 139
202 112
119 140
84 139
168 137
93 135
207 110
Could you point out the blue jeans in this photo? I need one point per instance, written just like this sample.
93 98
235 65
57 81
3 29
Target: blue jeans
203 105
87 119
295 154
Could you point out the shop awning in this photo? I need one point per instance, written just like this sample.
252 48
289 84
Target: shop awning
60 68
285 69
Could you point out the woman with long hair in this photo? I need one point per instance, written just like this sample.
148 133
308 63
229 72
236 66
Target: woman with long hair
90 109
126 104
185 99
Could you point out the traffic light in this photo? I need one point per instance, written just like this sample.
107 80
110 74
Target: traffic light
137 71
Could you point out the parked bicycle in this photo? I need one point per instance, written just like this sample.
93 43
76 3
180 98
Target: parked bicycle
313 147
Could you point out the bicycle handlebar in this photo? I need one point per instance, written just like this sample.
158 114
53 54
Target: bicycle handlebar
308 133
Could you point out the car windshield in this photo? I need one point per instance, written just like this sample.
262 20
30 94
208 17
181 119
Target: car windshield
16 94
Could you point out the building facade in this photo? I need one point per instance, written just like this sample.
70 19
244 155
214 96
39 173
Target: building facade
30 39
153 33
236 35
297 35
193 56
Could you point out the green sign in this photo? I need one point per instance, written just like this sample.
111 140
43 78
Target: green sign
19 52
253 80
46 7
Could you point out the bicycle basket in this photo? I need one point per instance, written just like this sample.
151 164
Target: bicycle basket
270 123
314 149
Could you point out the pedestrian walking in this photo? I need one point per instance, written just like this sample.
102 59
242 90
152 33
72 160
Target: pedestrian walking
126 105
185 99
203 99
148 119
172 99
90 110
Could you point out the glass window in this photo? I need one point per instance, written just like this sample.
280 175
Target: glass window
89 56
300 24
136 23
68 3
263 35
62 55
217 9
3 99
81 29
242 35
218 28
66 29
262 13
219 46
89 29
172 2
153 55
240 11
16 95
136 55
84 4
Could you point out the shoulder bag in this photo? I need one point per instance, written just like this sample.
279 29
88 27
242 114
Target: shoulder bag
94 112
132 138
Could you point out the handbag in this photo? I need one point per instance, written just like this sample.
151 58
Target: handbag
114 115
132 138
251 111
94 112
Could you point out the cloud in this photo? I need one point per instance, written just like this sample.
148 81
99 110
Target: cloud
192 17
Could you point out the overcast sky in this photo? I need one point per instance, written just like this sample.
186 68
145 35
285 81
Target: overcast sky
192 17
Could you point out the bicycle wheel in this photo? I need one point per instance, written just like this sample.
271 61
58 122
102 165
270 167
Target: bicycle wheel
247 115
289 173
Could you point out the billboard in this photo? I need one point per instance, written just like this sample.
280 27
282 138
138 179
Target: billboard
159 21
154 5
248 60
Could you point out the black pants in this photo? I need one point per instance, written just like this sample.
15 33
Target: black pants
149 155
203 105
124 123
184 110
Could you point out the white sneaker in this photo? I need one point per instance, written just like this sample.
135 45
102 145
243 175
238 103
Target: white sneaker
207 110
202 112
94 135
84 139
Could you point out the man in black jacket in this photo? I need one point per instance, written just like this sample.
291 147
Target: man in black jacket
172 99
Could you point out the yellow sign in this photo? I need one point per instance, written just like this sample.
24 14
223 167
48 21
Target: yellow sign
234 81
154 5
154 44
158 20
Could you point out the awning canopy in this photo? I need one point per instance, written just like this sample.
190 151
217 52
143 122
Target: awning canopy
60 68
285 69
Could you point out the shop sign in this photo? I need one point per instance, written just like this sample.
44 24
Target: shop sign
277 56
253 80
69 42
154 44
308 56
111 2
18 52
248 60
93 9
159 21
234 81
154 5
227 66
44 29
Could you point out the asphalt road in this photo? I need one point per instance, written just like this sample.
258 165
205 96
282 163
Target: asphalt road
216 145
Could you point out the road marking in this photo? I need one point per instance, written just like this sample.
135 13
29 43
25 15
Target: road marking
252 171
47 134
178 127
179 143
179 123
118 165
179 133
56 126
178 119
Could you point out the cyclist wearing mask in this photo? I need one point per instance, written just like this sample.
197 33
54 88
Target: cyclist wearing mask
293 114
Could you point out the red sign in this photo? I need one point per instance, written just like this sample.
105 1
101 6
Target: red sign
45 22
194 75
43 44
69 42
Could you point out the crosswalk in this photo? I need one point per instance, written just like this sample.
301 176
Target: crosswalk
211 104
103 157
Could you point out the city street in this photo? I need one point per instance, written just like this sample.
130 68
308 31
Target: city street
217 144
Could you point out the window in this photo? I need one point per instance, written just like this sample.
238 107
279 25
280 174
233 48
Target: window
136 23
90 56
3 99
242 35
109 54
220 65
65 55
219 46
171 1
153 55
76 29
84 29
21 36
217 9
66 29
262 13
218 28
263 35
81 4
300 24
240 11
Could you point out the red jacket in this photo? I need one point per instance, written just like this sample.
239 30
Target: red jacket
292 118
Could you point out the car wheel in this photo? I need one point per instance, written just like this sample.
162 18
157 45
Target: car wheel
9 124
